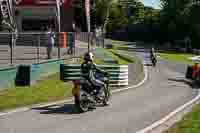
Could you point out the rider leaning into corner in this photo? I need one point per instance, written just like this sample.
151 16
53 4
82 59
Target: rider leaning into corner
153 56
153 53
89 70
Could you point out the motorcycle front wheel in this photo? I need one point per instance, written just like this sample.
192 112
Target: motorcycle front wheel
107 96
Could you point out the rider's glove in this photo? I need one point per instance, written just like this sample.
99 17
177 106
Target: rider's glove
106 74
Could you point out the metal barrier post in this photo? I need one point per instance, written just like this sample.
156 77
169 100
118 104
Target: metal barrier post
11 49
59 35
88 42
38 49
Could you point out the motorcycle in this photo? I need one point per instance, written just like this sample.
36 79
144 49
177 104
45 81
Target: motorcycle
85 94
154 60
193 73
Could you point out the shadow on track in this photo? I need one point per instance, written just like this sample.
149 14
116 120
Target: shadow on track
147 64
58 109
193 85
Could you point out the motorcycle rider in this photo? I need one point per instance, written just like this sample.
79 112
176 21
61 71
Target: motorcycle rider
196 69
89 70
153 54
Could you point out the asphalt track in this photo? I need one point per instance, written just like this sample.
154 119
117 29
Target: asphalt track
130 111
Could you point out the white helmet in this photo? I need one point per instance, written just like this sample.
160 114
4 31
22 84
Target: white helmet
89 56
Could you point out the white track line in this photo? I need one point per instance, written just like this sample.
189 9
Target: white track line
163 120
170 115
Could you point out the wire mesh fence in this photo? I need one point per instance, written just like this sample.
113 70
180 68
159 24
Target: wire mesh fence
37 47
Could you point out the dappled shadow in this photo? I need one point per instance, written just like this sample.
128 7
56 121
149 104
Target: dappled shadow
58 109
131 43
133 49
185 81
172 52
148 64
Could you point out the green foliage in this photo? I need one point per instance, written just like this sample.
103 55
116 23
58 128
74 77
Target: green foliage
129 12
180 17
79 15
102 8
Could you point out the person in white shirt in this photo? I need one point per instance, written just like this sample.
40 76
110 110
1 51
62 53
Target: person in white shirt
51 42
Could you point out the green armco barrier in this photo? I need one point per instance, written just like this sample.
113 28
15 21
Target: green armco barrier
37 72
118 73
45 69
7 77
23 75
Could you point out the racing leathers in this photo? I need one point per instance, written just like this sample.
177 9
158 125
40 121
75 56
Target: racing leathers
89 71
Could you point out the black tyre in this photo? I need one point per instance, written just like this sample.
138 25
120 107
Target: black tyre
189 72
198 78
107 96
83 106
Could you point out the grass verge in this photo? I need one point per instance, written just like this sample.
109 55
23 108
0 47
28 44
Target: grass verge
121 47
50 89
189 124
80 60
120 58
116 41
178 57
126 58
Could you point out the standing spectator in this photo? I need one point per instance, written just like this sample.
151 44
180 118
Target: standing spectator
187 41
72 44
51 42
73 27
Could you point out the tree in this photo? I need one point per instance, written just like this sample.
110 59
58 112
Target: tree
176 11
184 15
79 14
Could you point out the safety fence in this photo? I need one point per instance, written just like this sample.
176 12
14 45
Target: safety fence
118 73
91 37
37 47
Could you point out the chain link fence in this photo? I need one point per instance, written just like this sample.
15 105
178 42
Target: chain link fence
91 37
38 47
35 47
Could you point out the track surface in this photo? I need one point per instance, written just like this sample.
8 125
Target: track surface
129 111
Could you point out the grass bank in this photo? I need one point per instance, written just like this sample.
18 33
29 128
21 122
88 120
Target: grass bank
189 124
178 57
121 59
50 89
117 41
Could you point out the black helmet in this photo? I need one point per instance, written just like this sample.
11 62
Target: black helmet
88 56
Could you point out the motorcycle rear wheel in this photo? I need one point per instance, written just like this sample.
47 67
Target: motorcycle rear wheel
83 106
